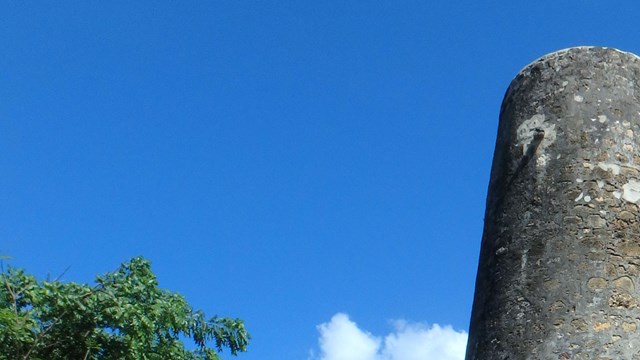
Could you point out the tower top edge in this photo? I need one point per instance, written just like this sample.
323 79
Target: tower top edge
577 50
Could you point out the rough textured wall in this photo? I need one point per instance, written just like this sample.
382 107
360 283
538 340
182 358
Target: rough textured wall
560 257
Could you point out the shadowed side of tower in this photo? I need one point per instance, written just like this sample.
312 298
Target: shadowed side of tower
560 254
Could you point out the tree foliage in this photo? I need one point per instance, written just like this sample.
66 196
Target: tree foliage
124 316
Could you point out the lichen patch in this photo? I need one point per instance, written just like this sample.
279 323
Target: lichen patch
526 131
631 191
614 168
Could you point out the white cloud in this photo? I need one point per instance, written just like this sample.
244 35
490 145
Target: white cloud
342 339
419 342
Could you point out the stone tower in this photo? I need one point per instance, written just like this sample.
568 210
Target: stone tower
560 257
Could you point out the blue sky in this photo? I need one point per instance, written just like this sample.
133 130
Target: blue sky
313 167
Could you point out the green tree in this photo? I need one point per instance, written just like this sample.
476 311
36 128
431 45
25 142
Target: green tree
123 316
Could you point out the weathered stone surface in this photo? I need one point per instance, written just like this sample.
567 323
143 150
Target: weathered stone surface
563 199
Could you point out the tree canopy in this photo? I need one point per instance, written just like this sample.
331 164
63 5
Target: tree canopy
125 315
